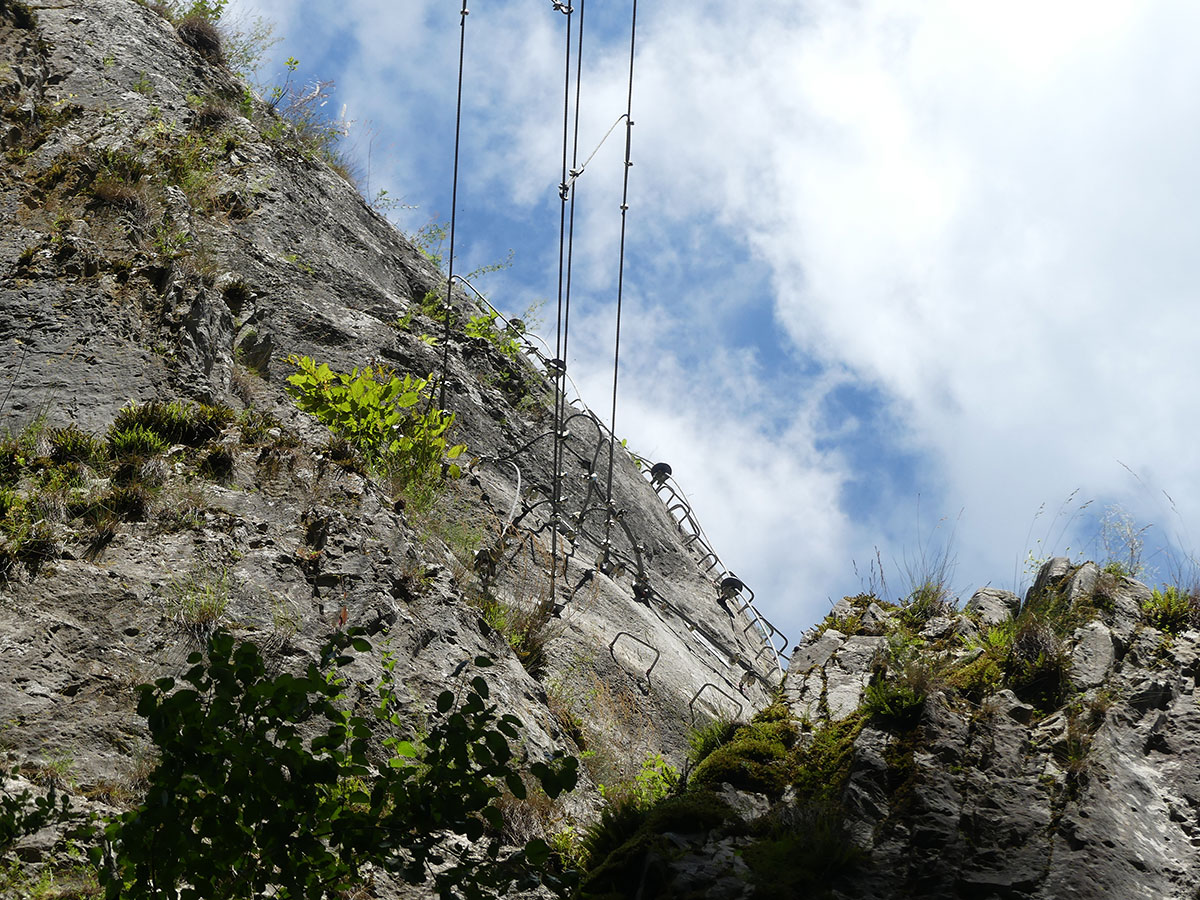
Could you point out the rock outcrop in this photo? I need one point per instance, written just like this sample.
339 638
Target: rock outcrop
1071 776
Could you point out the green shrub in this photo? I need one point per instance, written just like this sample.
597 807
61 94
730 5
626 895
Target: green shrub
246 802
377 412
1038 664
1171 609
23 814
893 703
61 478
176 10
654 781
484 326
524 626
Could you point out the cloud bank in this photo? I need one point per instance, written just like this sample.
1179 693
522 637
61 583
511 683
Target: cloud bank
878 251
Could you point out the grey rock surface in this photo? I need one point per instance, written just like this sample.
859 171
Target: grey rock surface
198 286
1005 797
993 606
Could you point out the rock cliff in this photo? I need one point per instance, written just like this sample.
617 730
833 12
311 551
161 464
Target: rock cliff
170 239
172 246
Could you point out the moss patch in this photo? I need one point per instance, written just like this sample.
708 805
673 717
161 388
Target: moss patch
758 757
824 765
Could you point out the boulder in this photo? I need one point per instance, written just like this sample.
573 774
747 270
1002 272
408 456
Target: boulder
993 606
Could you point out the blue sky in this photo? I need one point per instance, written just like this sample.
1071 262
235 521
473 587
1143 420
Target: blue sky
900 273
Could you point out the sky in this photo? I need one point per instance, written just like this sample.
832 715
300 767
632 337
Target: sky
909 285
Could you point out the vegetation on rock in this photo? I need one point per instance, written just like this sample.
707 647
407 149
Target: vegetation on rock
265 785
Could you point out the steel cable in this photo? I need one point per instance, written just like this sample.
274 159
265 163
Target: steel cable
462 48
621 262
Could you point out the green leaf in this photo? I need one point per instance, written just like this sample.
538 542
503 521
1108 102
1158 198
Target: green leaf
516 785
480 686
537 852
445 700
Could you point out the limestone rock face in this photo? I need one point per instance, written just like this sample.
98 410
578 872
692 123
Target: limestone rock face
994 607
167 237
1012 790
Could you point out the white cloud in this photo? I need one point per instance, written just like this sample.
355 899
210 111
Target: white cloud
985 212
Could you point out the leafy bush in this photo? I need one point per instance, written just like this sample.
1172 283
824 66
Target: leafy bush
23 814
264 788
177 10
1171 609
654 781
897 703
377 412
526 627
484 326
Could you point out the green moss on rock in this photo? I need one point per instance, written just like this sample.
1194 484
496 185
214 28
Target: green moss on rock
757 758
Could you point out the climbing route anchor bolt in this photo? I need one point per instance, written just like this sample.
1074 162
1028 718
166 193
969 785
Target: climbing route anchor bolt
659 473
730 587
642 592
